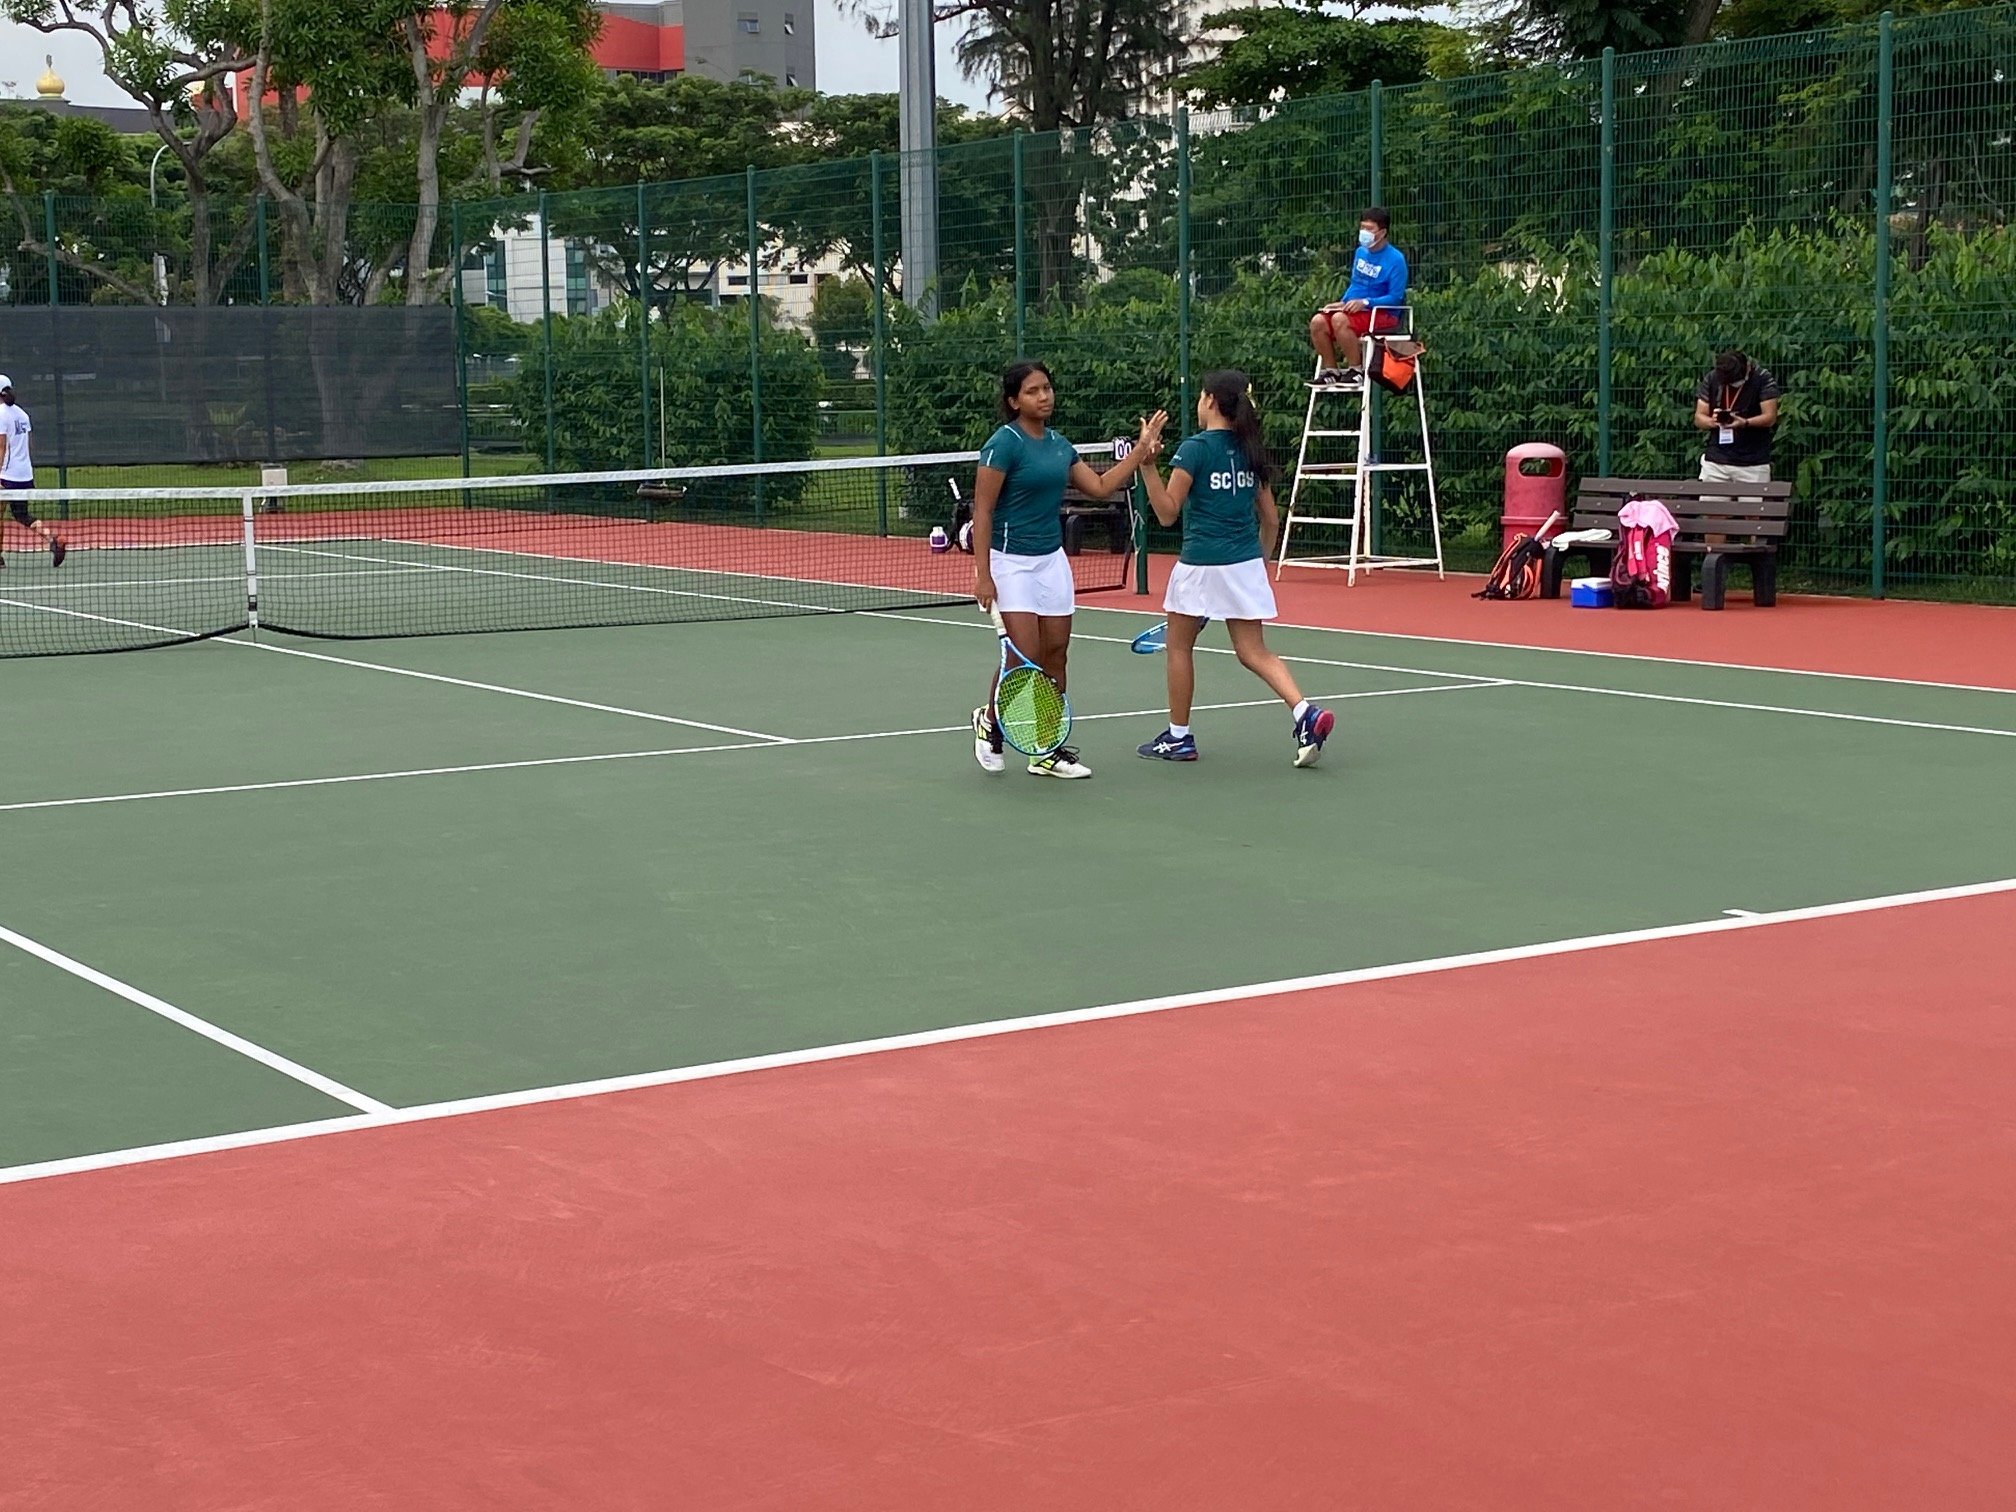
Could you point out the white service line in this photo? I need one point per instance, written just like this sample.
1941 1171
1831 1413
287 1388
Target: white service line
573 1091
442 771
272 1060
458 682
463 682
705 750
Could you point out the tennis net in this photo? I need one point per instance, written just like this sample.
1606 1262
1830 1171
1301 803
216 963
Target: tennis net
150 567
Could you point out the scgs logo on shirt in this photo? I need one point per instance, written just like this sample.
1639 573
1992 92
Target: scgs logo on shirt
1229 480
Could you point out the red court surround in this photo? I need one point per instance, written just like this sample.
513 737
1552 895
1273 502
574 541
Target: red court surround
1718 1222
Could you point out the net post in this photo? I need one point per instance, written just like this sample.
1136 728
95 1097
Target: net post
457 256
755 338
1183 334
1606 257
546 317
1021 284
56 345
1137 493
247 505
881 342
1879 400
644 320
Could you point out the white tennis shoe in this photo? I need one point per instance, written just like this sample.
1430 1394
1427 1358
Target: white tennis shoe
987 742
1062 762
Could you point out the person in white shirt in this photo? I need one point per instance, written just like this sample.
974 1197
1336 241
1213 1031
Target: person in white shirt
18 473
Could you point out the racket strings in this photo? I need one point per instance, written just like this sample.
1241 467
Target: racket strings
1032 711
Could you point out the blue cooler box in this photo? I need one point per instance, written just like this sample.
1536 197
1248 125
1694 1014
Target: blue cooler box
1590 593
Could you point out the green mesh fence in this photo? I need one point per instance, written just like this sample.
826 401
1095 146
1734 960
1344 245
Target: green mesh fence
1583 238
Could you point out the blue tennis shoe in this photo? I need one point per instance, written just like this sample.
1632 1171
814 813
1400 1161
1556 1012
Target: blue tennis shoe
1168 747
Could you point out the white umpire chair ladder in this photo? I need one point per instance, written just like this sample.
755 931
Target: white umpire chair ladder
1338 495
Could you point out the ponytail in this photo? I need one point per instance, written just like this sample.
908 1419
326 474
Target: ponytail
1233 395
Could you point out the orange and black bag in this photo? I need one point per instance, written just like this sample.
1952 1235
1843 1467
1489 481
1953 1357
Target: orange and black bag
1517 573
1394 364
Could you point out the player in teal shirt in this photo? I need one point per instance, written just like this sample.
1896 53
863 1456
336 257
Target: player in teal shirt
1018 539
1221 485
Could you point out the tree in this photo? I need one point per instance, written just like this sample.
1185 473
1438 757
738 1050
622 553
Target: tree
174 59
824 206
532 56
842 317
325 80
105 236
688 143
1066 63
1288 52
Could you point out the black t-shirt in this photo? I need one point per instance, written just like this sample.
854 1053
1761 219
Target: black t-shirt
1752 446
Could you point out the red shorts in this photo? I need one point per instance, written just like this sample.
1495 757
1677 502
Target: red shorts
1361 321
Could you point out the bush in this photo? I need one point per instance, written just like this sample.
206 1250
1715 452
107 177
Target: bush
702 355
1512 358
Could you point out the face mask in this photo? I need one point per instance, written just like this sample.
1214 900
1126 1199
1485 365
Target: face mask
1366 238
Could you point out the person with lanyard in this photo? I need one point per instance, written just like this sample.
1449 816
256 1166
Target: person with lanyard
1369 304
1737 404
17 472
1221 484
1018 540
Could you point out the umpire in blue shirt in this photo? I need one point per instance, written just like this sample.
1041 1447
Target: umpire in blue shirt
1368 305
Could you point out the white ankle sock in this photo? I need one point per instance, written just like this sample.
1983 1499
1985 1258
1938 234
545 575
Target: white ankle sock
1302 708
1179 731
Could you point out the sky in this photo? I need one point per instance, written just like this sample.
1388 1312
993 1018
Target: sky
850 62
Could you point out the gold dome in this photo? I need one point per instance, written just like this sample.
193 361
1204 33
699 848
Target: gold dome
49 86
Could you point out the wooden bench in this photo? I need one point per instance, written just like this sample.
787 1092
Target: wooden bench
1115 516
1719 522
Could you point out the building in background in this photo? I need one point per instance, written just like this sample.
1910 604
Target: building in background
717 39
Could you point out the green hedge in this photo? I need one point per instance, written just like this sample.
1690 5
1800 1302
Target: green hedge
703 357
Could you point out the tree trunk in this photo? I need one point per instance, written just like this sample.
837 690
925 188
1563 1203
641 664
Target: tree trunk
1699 21
199 238
427 214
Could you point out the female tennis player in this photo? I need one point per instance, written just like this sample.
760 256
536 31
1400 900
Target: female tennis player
1221 486
1018 539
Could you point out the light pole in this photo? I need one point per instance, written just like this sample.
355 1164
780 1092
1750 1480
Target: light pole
160 262
917 130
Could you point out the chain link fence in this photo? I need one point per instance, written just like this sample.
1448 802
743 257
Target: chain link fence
1584 237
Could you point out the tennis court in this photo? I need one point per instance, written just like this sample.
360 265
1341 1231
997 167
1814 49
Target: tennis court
651 1065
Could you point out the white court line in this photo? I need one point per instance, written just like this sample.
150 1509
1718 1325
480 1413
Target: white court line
227 639
706 750
1741 913
1633 656
1557 687
267 1058
573 1091
463 682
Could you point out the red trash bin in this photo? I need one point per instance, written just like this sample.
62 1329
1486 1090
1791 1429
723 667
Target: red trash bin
1536 486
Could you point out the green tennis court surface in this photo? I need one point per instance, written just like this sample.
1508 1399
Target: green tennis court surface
559 857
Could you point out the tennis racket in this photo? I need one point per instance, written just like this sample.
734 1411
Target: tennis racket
1030 710
1149 641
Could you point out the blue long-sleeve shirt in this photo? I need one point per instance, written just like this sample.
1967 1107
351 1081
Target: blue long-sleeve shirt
1379 278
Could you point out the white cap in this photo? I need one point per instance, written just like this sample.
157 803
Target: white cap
5 383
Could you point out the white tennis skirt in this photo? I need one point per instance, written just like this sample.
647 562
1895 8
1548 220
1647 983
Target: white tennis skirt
1033 584
1236 590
